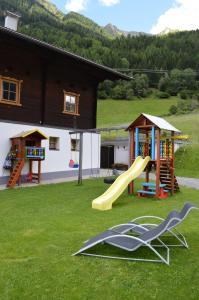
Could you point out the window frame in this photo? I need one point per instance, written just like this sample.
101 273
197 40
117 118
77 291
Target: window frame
57 143
18 83
71 94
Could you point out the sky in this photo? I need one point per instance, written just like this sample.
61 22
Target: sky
150 16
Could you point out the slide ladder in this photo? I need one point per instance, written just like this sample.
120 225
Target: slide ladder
16 173
166 176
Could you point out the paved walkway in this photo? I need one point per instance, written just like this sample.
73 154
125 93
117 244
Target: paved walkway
184 181
189 182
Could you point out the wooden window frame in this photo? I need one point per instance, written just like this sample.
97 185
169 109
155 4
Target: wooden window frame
18 83
76 113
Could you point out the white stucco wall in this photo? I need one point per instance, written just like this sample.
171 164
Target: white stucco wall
56 160
121 154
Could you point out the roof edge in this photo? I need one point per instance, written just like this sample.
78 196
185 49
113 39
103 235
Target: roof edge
64 52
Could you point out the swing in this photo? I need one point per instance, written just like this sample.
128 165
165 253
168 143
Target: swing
73 163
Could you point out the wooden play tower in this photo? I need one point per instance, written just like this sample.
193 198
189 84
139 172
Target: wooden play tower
25 146
153 136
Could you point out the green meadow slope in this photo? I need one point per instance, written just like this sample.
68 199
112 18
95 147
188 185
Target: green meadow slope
114 112
187 158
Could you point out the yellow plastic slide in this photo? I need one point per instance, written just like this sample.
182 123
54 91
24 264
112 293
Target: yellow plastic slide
105 201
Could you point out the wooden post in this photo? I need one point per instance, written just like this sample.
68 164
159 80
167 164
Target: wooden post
172 165
80 158
147 151
158 164
131 158
30 166
39 171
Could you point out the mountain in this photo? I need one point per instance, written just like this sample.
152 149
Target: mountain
116 32
107 45
168 30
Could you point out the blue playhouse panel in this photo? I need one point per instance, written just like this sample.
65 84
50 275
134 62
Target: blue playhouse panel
136 142
35 153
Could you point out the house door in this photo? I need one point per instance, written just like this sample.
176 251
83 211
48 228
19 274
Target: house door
107 157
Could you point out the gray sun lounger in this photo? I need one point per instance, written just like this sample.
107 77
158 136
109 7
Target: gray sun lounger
132 243
118 237
140 228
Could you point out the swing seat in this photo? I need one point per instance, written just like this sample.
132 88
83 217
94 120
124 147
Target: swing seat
75 166
109 180
71 163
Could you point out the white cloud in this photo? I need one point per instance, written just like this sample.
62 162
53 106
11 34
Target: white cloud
109 2
76 5
183 15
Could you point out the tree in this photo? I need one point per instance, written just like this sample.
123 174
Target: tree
140 85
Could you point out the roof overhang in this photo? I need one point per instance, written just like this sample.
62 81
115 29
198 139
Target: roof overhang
155 121
108 72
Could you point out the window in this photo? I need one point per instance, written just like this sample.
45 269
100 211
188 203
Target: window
74 145
71 103
53 143
10 91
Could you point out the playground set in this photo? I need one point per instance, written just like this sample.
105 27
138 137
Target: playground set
151 148
157 137
25 146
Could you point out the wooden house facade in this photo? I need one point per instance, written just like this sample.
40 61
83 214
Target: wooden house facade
45 87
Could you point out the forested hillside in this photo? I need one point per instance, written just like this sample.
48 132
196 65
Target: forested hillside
81 35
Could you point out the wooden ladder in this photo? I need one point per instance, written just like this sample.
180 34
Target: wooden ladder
165 177
16 173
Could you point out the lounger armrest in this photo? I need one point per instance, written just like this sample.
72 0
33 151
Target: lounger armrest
147 217
128 224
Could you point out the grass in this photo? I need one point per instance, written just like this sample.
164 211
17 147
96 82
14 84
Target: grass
40 227
187 158
124 112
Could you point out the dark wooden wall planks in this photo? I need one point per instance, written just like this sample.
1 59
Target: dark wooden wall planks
45 75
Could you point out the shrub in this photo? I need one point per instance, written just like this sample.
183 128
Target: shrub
102 95
119 92
163 95
173 110
129 94
183 95
193 104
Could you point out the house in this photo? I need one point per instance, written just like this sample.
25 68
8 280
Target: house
48 90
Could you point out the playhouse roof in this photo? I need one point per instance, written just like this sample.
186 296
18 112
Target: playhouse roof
24 134
157 121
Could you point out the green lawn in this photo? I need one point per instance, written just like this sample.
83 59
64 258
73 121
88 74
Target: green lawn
41 227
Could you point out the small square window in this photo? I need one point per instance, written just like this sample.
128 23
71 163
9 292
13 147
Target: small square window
53 143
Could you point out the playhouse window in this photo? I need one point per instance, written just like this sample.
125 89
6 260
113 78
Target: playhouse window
71 103
10 91
53 143
74 145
